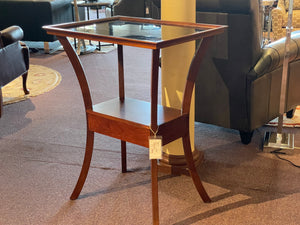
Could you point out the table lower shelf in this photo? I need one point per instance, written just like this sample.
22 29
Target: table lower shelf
130 120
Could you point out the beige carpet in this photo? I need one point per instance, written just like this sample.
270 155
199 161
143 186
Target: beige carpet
293 122
40 79
42 144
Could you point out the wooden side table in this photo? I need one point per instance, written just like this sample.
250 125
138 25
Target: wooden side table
99 4
132 120
96 5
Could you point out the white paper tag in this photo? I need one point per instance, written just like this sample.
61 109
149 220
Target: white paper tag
155 147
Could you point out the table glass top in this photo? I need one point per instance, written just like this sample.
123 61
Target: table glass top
134 30
138 32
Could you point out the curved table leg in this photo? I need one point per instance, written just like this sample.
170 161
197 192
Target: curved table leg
193 171
79 71
1 102
154 184
85 166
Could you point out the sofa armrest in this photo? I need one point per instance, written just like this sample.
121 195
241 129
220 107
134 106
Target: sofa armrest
10 35
273 55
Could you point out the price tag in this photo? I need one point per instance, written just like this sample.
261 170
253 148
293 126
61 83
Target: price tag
155 147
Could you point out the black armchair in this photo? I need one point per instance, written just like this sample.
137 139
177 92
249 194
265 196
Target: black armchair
238 86
14 58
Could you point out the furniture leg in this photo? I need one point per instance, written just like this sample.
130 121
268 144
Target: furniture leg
246 136
77 66
154 183
99 44
85 165
121 73
123 156
290 114
24 78
46 47
192 168
154 127
1 102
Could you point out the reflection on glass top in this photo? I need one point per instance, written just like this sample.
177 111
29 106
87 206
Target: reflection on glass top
133 30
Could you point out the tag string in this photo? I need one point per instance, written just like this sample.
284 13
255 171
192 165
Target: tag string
154 133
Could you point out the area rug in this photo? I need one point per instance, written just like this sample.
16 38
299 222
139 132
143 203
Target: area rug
40 79
293 122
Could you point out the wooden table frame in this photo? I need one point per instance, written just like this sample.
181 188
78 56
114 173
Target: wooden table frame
115 118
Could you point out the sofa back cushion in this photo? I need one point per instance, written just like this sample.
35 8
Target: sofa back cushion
225 6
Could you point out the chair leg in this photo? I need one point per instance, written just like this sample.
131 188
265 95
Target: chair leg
24 77
85 166
193 171
154 183
46 47
290 114
123 156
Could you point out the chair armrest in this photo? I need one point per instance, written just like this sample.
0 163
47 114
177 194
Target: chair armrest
273 55
10 35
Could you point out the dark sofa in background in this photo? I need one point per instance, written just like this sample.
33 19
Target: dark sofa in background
31 15
138 8
238 86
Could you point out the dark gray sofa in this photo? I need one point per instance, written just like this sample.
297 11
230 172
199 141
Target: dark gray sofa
31 15
238 85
